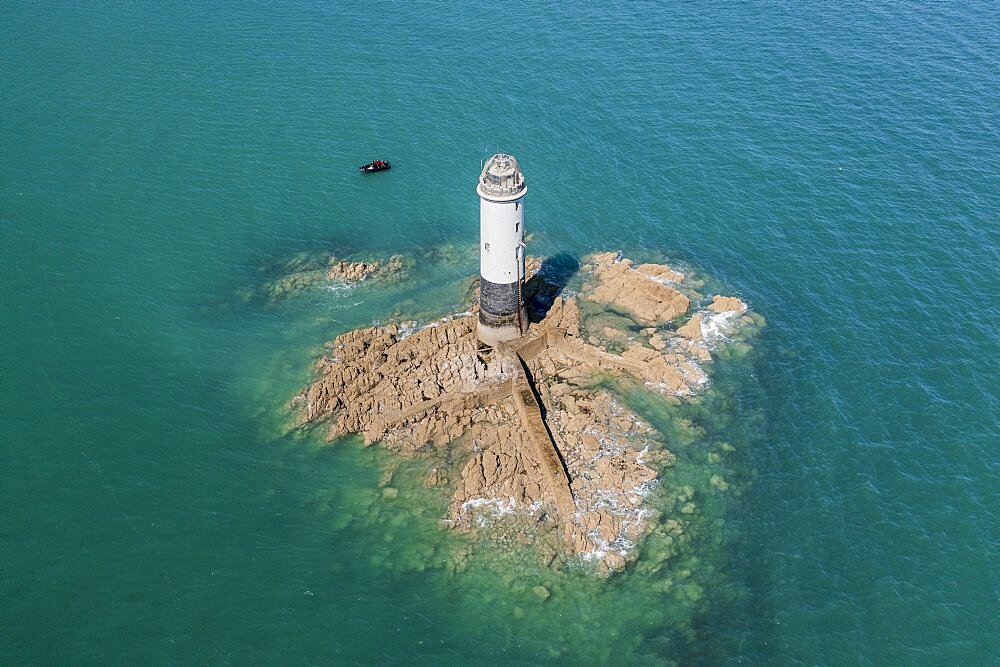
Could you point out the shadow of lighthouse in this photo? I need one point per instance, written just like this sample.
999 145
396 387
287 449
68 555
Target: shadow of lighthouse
547 284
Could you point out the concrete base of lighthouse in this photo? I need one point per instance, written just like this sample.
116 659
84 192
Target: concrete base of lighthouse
493 329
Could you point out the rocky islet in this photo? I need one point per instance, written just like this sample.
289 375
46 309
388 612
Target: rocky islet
528 437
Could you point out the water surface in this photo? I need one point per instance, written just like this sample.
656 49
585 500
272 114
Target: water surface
837 168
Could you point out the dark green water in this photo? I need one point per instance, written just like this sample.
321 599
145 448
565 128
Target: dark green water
836 168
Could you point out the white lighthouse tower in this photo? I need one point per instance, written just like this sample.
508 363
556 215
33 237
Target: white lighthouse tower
502 313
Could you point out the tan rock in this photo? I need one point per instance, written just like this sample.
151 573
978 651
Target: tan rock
347 271
638 294
691 330
660 272
351 271
726 304
435 478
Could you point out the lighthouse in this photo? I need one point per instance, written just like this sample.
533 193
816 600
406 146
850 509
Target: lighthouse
501 188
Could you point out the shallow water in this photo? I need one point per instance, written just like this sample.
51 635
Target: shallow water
836 168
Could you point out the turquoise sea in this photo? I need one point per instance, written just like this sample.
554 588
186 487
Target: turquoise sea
835 165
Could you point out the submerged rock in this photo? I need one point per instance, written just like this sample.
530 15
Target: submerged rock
307 270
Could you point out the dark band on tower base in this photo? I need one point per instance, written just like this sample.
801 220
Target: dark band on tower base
497 299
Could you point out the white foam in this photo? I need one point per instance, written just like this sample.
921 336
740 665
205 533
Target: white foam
410 327
717 327
626 506
660 279
664 389
406 329
487 509
340 288
640 458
